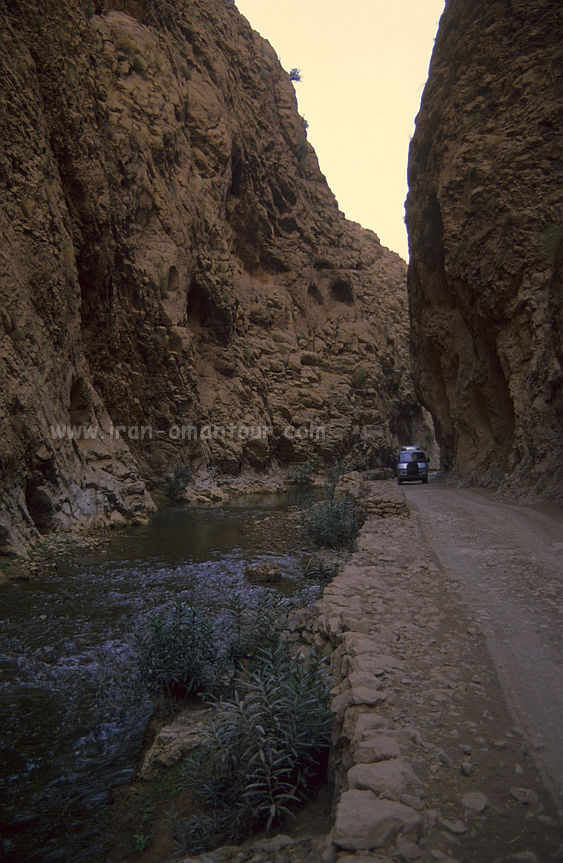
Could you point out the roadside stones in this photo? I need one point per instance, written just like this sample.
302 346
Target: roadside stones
379 624
364 821
359 721
377 747
361 858
391 777
525 795
358 688
457 826
520 857
474 802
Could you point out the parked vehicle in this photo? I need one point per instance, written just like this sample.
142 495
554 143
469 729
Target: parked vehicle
412 464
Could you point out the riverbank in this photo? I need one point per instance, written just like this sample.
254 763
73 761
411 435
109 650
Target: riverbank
202 491
73 712
427 762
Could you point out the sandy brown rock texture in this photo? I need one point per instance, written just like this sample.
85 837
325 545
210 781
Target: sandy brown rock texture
485 228
174 265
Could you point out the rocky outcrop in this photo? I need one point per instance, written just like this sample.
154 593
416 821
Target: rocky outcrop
486 243
179 287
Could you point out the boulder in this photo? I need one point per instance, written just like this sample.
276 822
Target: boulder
263 573
364 821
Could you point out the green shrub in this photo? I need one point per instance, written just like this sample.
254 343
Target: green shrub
332 476
302 474
302 151
254 621
331 523
267 751
551 241
178 653
248 354
321 569
177 483
199 833
359 377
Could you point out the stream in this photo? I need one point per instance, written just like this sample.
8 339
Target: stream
72 716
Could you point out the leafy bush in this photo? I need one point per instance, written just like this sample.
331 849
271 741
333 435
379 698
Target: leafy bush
359 377
254 621
302 151
321 569
333 475
551 241
178 653
267 750
177 483
331 523
302 474
199 833
248 354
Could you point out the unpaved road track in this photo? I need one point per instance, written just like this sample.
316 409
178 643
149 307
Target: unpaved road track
507 562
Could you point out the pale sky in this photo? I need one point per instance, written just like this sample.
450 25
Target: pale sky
363 64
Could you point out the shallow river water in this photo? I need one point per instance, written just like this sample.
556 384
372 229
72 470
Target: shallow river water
72 720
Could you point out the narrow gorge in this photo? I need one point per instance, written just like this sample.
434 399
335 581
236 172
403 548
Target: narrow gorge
174 262
199 350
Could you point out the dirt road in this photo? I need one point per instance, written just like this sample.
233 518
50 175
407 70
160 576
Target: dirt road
506 561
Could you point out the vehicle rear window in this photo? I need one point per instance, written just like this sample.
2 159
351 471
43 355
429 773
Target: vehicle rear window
406 456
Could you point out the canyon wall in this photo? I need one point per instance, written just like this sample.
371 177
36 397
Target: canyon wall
175 273
486 243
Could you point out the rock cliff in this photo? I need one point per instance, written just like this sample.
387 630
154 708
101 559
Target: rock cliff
178 285
486 243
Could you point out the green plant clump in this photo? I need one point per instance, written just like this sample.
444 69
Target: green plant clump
248 354
552 242
321 569
332 476
176 484
303 474
178 653
359 377
254 622
266 753
331 523
302 151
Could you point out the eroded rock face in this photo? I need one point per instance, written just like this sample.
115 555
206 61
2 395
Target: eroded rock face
486 243
175 267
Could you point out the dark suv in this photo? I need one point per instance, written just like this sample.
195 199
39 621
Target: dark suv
412 464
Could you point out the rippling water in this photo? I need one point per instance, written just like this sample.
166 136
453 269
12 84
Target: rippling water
72 717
